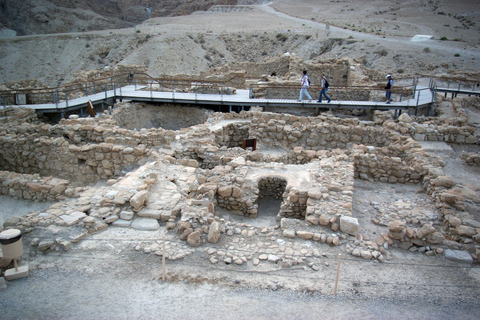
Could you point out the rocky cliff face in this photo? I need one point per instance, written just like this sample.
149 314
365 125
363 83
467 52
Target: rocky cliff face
29 17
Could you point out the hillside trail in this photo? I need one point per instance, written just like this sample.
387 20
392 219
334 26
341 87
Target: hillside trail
393 42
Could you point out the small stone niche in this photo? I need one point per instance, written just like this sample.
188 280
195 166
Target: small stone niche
270 196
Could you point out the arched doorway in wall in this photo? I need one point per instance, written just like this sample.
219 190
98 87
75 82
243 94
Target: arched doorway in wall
270 198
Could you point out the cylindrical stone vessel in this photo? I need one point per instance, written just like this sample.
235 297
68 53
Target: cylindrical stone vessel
11 241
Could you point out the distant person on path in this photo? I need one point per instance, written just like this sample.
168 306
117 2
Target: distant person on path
305 85
324 90
388 88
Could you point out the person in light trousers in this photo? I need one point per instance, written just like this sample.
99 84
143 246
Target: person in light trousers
305 85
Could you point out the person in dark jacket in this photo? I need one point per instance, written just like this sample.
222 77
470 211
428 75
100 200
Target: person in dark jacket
388 88
324 90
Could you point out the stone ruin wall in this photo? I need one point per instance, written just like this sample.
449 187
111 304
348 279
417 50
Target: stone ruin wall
165 116
102 150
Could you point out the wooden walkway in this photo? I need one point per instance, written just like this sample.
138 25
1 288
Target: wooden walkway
423 98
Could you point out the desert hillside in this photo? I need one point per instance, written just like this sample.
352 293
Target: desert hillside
55 16
377 35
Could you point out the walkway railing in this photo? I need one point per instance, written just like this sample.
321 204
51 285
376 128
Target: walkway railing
139 80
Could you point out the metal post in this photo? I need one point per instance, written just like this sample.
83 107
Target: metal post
221 92
81 112
66 99
55 100
401 95
135 82
94 90
151 89
86 89
105 91
4 102
173 90
448 84
111 84
250 94
459 84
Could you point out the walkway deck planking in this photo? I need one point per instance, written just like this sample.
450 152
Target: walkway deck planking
240 98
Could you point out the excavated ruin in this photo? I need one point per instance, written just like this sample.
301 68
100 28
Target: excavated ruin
185 172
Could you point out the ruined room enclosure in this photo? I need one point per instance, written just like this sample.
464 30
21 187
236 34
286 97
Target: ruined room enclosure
312 186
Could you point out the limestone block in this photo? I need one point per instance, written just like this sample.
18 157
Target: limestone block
396 226
46 244
465 231
225 192
147 224
122 223
238 162
289 233
312 220
183 225
194 239
323 220
349 225
214 232
314 194
435 238
458 256
448 197
273 258
139 200
426 230
111 219
149 213
365 254
444 181
126 215
305 235
453 221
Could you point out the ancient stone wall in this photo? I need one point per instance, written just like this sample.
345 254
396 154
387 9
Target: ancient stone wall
56 157
32 186
166 116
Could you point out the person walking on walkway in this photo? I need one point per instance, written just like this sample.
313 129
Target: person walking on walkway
305 85
324 90
388 88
